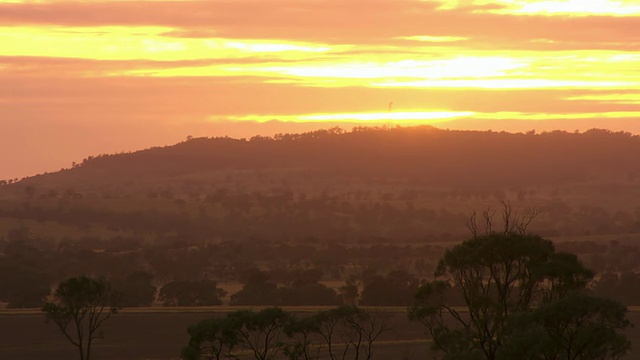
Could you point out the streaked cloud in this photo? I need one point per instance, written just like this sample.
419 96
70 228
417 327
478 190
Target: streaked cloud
547 8
404 117
430 117
435 39
128 43
627 98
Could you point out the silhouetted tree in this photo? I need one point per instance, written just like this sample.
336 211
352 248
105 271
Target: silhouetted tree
212 339
306 290
260 332
81 305
501 276
349 293
350 330
302 331
577 327
257 290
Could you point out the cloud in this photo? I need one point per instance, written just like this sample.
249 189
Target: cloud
332 21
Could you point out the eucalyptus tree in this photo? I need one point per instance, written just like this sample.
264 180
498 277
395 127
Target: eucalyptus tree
81 306
502 277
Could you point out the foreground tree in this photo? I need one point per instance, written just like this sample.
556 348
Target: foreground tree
577 327
81 306
351 331
347 332
301 332
212 339
505 276
260 332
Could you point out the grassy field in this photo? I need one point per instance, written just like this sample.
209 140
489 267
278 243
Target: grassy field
160 333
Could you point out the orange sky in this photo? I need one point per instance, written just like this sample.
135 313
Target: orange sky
85 77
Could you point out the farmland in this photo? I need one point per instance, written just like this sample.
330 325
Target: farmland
160 333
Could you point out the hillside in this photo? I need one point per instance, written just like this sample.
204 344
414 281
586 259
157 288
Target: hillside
400 184
423 154
338 207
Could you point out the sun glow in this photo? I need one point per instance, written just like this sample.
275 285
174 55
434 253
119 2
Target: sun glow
633 98
191 61
130 43
509 84
426 117
435 39
402 116
512 115
578 7
549 8
310 64
467 67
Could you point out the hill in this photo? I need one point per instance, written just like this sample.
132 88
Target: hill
350 209
399 184
424 154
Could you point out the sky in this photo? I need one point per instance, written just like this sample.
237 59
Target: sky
86 77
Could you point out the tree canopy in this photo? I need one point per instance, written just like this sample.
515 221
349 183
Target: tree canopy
81 306
506 276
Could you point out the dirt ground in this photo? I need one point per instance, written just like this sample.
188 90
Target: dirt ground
155 336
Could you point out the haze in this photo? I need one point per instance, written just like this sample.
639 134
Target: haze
90 77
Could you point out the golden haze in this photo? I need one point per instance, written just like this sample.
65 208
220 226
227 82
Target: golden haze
144 73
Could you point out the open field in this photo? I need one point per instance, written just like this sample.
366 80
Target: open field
153 333
158 333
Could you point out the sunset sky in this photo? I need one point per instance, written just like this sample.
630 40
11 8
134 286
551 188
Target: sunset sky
80 78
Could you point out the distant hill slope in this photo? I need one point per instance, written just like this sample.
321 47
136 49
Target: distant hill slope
404 184
426 154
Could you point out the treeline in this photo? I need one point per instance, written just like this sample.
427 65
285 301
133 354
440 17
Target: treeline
240 215
201 214
345 332
502 294
181 273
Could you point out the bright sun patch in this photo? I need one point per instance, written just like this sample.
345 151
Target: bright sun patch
546 7
633 98
396 117
579 7
427 117
130 43
434 39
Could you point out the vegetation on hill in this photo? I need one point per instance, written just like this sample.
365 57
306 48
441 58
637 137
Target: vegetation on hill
343 219
400 184
426 154
370 210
